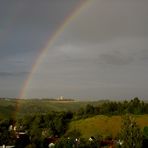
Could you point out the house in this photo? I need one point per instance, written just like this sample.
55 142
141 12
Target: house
6 146
22 140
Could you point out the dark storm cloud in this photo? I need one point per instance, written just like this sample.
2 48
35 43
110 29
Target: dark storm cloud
27 25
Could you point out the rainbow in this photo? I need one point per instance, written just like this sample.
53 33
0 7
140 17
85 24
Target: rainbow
74 13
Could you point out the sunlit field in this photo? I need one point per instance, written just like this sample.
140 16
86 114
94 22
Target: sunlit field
104 125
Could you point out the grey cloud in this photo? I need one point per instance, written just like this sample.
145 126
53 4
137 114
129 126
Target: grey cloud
99 53
13 74
143 55
105 20
26 26
115 58
36 14
102 52
118 51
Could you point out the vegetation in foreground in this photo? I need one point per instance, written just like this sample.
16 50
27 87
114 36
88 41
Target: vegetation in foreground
73 128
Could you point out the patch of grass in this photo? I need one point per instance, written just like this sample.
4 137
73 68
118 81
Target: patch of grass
103 125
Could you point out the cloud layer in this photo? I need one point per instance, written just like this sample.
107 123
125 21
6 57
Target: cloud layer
102 53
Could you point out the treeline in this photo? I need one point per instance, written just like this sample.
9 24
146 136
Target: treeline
134 106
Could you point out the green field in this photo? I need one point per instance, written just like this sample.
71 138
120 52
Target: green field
103 125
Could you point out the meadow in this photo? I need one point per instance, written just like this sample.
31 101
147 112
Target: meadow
103 125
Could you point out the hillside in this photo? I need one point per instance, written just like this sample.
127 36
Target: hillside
27 106
103 125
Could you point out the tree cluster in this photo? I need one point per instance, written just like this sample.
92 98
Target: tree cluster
135 106
38 127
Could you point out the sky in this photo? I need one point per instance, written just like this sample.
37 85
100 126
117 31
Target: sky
101 52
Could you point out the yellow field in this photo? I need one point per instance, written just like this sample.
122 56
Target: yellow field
104 125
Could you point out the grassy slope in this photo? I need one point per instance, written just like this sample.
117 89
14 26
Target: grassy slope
103 125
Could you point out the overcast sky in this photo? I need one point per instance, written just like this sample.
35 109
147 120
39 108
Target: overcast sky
101 54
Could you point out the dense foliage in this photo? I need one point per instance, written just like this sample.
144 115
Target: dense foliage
37 126
131 134
135 106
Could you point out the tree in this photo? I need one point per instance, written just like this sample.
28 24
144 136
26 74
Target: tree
145 136
6 136
89 109
4 133
131 134
80 113
135 106
145 132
